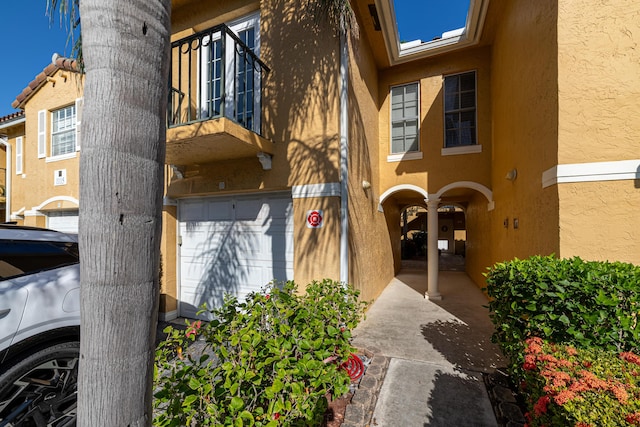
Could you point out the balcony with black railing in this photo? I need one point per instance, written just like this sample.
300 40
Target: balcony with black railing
215 98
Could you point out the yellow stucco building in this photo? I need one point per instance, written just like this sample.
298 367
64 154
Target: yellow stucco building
294 152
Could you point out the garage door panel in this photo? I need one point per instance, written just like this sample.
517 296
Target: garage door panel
64 221
233 245
249 209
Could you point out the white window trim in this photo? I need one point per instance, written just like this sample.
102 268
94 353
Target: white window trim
61 157
19 155
42 134
79 105
243 23
461 149
444 112
403 156
75 131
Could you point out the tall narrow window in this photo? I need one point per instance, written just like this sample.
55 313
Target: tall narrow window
230 85
63 132
404 118
460 109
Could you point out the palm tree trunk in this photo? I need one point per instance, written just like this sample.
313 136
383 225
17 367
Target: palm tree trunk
126 56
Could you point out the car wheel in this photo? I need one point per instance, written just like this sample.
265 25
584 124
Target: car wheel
41 389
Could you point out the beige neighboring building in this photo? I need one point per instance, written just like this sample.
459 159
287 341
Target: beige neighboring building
294 153
42 174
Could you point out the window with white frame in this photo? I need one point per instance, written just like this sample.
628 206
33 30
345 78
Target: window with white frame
405 111
63 131
240 95
460 110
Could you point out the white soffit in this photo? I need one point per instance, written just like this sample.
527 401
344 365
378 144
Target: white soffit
451 40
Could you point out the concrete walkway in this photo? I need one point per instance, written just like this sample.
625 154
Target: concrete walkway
437 352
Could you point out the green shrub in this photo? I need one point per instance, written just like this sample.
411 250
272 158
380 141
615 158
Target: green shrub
565 386
269 361
587 304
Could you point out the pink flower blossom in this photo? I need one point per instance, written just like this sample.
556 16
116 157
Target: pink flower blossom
541 405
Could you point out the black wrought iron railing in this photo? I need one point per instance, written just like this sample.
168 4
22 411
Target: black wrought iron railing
216 73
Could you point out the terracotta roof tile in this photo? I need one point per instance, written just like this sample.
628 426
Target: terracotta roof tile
12 116
57 63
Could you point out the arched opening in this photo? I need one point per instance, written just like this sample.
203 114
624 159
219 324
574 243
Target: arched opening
407 209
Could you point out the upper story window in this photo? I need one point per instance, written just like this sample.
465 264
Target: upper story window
59 132
460 110
229 81
405 111
63 131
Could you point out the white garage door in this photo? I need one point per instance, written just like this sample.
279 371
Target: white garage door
233 245
65 221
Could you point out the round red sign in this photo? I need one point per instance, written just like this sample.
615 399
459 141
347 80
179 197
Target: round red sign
314 219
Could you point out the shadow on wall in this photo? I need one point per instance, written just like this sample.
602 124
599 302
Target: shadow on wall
301 112
233 258
301 92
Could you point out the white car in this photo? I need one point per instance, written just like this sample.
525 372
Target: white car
39 326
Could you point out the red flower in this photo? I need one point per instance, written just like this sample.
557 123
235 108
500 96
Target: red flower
630 357
633 419
267 296
572 351
529 363
564 396
541 406
276 416
194 328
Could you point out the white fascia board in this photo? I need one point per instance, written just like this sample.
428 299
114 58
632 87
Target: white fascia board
12 123
591 172
459 38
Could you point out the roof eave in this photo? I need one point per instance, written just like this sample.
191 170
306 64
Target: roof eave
469 37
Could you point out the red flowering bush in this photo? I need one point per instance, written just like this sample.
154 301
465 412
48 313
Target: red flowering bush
564 386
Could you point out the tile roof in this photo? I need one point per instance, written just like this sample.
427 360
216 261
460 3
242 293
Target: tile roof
11 117
57 63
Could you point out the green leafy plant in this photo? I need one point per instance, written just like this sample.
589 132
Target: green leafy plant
586 304
565 386
271 360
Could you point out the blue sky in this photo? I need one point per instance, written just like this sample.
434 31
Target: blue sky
29 40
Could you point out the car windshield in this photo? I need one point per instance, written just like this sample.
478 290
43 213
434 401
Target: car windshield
26 257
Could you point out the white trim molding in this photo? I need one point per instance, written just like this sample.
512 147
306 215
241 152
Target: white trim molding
328 189
465 149
398 52
56 199
401 187
468 184
400 157
591 172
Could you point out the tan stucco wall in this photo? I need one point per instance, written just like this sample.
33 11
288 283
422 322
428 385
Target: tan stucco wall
434 170
598 81
371 264
599 221
599 116
479 244
168 260
36 184
317 250
525 129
